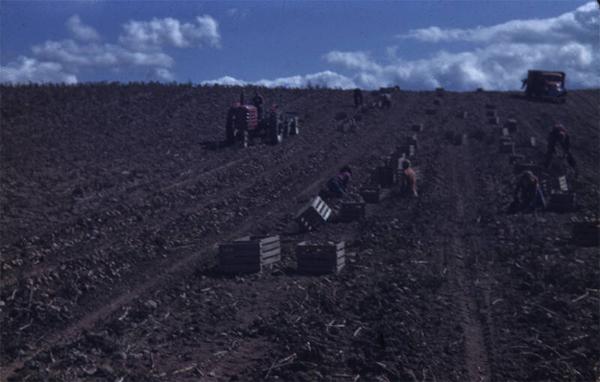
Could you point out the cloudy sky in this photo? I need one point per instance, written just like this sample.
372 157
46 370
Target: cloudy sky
460 45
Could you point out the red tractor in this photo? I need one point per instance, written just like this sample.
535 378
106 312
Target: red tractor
243 125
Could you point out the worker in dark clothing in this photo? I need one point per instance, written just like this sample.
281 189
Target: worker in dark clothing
559 136
358 98
242 97
338 185
258 101
408 180
528 194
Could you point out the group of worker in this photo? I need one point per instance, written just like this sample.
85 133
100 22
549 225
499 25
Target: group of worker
528 194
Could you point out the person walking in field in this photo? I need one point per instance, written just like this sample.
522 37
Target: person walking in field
559 137
358 98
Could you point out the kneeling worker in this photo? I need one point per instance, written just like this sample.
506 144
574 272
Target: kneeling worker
528 193
338 185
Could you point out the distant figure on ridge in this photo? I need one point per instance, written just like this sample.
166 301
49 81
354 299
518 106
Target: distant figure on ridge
559 136
258 101
358 98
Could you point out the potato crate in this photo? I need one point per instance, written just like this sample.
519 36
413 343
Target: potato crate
386 176
417 127
511 125
313 214
460 139
532 142
491 113
462 115
249 254
505 132
494 121
507 146
587 234
320 258
562 202
351 211
371 194
412 140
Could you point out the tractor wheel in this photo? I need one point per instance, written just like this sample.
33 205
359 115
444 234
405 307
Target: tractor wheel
229 135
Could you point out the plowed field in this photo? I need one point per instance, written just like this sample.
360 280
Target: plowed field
115 198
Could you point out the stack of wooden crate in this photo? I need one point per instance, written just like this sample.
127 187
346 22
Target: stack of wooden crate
249 254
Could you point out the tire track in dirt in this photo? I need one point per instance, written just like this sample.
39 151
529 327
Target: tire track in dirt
458 254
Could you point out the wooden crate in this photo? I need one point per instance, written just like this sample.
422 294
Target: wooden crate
562 202
460 139
511 125
249 254
412 140
386 176
417 127
313 214
587 234
507 147
351 211
491 113
371 194
505 132
494 121
320 258
462 115
532 142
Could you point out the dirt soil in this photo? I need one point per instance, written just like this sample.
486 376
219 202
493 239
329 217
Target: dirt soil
114 199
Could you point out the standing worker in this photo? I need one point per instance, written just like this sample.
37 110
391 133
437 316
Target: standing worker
258 101
408 180
358 98
559 136
528 194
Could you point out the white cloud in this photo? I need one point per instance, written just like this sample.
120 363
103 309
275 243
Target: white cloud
580 25
140 47
326 79
153 34
226 81
81 31
26 69
72 53
569 42
237 13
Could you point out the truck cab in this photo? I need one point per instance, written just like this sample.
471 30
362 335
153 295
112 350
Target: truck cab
545 84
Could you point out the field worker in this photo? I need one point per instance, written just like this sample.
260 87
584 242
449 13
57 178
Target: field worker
258 101
358 98
408 179
559 136
385 101
338 185
528 193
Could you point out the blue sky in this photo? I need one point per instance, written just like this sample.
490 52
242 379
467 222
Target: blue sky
414 44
